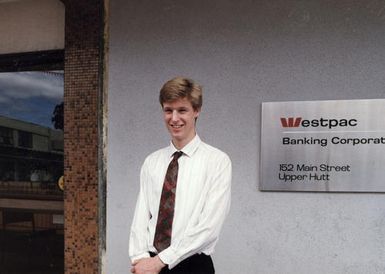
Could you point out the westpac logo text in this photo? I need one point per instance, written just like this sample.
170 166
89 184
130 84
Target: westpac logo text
321 122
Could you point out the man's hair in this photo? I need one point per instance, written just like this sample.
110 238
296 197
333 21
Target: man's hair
179 88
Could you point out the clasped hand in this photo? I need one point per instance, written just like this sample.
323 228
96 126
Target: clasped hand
147 266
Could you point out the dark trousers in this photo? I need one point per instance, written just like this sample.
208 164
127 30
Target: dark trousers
196 264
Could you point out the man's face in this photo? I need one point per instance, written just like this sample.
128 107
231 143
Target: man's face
179 116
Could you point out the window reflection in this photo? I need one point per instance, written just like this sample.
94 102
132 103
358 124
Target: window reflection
31 165
6 136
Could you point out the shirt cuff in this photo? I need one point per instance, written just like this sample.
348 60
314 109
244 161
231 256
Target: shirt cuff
169 257
140 256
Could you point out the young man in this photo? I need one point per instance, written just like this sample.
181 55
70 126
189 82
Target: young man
184 192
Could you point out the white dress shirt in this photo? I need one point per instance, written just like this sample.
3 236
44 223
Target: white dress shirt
202 202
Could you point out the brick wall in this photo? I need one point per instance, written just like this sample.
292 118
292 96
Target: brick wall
83 89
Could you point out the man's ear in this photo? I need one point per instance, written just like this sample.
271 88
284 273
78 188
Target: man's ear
197 112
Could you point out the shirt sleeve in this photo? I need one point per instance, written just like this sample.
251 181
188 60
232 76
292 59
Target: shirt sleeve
138 244
206 231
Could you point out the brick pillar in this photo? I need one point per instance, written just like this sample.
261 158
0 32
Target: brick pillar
83 111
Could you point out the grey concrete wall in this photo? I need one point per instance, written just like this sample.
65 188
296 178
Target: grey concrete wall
245 52
31 25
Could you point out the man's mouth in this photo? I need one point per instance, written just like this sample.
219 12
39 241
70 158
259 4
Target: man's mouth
176 126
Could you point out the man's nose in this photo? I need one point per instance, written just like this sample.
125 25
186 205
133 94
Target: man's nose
175 115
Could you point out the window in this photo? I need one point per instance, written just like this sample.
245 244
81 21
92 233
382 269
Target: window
6 136
31 88
25 139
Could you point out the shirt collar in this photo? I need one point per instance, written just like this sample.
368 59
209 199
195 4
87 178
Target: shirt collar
188 149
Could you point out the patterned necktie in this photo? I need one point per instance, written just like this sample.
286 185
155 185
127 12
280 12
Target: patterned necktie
162 238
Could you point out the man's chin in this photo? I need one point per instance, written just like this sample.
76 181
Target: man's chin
175 133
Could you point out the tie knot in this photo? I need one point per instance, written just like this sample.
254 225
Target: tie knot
177 154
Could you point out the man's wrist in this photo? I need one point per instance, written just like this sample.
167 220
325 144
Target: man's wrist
159 262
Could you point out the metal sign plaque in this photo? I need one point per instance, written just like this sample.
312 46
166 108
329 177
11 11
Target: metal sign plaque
328 146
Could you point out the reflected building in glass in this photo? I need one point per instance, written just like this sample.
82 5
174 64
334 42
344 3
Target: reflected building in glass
31 159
